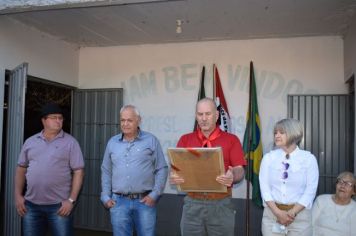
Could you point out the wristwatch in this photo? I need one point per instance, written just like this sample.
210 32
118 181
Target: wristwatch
71 200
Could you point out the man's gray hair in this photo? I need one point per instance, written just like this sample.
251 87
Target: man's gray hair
206 99
132 107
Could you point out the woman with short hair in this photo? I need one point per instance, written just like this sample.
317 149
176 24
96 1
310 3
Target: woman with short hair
335 214
288 179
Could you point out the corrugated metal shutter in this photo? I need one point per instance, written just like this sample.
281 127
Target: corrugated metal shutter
15 127
2 88
328 133
95 120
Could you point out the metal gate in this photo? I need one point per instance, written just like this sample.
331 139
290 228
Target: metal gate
95 120
328 133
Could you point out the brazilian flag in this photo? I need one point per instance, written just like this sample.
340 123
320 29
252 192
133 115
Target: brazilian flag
252 143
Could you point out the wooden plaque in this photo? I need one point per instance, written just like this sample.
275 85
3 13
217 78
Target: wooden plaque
199 167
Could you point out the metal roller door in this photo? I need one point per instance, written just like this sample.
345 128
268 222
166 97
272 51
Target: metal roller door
328 133
95 119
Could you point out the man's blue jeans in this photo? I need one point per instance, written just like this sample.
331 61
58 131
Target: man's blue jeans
40 217
128 213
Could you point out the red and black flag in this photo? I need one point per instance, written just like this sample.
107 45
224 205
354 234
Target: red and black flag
224 118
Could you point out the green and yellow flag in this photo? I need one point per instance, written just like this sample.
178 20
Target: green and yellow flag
252 143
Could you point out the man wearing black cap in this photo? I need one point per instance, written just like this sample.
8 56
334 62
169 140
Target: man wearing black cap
51 164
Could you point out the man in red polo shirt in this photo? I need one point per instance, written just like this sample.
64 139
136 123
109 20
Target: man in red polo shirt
211 213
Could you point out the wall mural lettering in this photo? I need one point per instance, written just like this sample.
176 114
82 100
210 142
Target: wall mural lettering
272 90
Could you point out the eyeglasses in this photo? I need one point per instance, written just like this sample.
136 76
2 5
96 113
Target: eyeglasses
286 167
344 183
54 117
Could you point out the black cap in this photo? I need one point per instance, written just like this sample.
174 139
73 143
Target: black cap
51 108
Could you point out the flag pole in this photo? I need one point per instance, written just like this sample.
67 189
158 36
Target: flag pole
201 93
249 155
214 83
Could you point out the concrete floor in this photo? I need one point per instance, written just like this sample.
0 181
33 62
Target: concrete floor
85 232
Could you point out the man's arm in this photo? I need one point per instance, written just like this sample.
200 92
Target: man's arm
77 181
232 176
238 173
106 179
161 172
20 179
235 172
174 178
160 181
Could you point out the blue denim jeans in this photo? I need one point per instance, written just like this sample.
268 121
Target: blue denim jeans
128 213
40 217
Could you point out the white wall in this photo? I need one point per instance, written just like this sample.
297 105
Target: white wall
163 80
350 60
48 58
350 50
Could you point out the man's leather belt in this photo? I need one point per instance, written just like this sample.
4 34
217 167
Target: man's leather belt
284 207
209 196
133 195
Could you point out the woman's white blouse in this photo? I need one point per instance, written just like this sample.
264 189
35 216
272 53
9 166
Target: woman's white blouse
301 184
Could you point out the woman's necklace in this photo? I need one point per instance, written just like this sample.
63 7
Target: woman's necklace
338 212
339 209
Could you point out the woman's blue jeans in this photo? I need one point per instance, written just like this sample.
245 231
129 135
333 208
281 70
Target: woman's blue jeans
40 217
128 213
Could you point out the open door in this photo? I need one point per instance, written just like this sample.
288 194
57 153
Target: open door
14 141
2 167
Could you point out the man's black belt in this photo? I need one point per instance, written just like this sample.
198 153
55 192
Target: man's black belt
133 195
